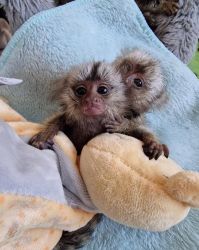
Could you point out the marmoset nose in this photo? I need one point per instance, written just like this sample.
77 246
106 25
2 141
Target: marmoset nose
93 100
96 100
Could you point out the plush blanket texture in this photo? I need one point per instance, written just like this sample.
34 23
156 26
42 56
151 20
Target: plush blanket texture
50 42
35 203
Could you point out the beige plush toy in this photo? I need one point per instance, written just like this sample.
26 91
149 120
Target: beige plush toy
133 190
122 182
30 222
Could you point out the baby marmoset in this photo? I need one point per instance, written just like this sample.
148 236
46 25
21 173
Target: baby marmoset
89 95
151 8
94 99
145 89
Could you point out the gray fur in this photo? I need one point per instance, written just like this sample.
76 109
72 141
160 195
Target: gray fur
180 33
18 11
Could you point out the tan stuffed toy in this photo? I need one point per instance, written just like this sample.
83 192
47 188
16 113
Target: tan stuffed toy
122 183
31 222
133 190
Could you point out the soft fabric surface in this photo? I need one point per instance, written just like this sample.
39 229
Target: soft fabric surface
50 42
126 186
24 169
41 192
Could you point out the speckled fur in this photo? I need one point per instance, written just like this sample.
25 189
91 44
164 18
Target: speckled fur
153 94
180 32
64 90
18 11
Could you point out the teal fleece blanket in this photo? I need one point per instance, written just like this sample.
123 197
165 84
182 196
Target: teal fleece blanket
50 42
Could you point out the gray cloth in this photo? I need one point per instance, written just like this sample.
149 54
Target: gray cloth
74 187
19 11
25 170
180 33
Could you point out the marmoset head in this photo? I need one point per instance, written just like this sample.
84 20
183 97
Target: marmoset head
143 79
91 90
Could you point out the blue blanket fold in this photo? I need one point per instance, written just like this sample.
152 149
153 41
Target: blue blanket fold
50 42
